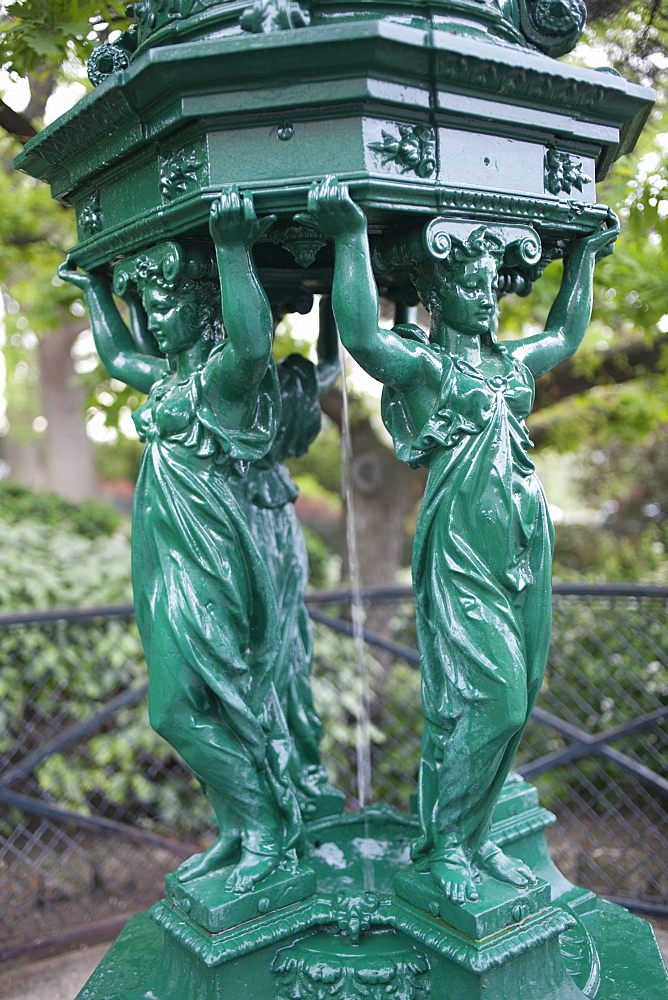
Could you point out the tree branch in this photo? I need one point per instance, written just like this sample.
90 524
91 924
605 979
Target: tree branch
41 89
14 123
620 364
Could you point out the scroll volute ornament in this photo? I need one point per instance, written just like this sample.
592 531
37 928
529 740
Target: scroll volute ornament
522 244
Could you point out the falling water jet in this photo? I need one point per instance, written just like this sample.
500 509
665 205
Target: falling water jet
363 720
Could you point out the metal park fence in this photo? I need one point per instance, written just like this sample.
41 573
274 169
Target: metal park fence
95 808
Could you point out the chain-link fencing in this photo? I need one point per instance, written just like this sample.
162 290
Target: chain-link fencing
95 807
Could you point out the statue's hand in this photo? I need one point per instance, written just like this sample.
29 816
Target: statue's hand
233 221
602 242
332 210
80 279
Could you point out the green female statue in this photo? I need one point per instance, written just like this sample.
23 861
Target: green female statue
204 601
266 494
455 401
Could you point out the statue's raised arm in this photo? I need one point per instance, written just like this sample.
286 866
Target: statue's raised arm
119 352
571 311
246 313
385 355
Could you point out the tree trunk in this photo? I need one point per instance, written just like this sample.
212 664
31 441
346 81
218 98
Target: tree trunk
386 493
68 451
25 460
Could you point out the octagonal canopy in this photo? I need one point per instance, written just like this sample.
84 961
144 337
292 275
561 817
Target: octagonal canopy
448 109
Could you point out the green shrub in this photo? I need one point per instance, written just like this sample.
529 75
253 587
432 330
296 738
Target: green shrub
596 554
92 518
55 674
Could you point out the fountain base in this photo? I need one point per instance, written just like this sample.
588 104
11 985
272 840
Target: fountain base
351 922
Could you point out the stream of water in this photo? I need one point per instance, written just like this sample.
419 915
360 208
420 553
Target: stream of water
363 719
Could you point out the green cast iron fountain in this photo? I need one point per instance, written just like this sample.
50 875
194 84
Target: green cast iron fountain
234 159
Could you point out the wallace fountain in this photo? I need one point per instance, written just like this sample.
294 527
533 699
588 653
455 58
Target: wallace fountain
234 160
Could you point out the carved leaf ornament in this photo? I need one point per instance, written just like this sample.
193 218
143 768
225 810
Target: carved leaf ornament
178 172
563 172
304 976
413 149
89 218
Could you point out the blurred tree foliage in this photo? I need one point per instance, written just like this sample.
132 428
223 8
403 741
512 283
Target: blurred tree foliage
92 519
43 42
614 389
40 36
609 403
55 674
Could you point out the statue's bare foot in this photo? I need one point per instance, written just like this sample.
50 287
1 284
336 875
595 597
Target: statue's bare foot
500 866
252 868
218 856
455 877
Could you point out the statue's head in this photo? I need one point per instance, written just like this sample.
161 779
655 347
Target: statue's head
461 288
178 285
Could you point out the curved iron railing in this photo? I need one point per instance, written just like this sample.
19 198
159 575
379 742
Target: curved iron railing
596 747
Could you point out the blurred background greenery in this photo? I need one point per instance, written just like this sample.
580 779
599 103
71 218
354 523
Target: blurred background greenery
601 420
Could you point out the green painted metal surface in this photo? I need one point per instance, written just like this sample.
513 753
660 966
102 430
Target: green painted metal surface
460 160
354 937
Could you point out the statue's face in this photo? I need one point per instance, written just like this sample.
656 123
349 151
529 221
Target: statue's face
468 301
172 318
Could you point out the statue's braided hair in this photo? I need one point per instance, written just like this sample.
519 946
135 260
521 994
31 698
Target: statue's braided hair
182 269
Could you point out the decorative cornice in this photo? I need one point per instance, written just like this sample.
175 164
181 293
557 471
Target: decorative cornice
113 121
552 25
